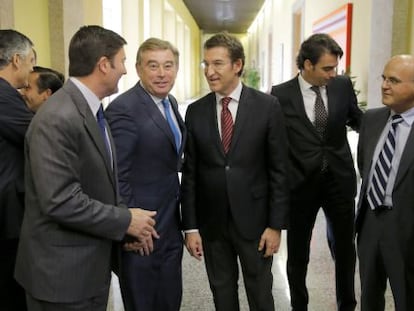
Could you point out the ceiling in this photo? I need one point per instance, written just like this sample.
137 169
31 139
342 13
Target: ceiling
234 16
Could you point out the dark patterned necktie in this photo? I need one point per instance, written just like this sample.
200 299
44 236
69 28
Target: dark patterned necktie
376 193
321 119
321 116
226 124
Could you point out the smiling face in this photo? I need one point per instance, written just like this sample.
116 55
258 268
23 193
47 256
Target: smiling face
320 73
221 73
33 96
398 83
157 71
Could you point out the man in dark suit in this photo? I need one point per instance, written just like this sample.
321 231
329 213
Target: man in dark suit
16 62
149 150
72 214
318 106
385 215
234 187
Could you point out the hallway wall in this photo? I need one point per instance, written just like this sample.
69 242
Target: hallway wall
380 28
51 24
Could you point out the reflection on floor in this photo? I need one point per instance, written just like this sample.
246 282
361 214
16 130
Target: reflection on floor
321 281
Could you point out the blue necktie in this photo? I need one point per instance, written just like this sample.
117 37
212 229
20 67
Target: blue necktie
376 192
174 128
100 117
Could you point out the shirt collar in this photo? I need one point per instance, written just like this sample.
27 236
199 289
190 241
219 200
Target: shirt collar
408 116
305 85
93 101
156 99
235 95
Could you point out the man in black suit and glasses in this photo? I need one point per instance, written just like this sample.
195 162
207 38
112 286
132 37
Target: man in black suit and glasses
234 188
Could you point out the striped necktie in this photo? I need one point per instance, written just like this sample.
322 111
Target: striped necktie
376 192
226 124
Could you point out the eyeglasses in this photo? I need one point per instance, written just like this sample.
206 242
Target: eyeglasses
216 65
392 81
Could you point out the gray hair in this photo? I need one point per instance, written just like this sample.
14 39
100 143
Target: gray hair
13 42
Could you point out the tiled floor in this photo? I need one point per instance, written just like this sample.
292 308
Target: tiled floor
197 296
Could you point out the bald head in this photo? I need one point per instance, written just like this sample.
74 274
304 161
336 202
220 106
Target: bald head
398 83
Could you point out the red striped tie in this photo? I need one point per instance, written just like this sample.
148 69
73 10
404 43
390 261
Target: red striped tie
226 124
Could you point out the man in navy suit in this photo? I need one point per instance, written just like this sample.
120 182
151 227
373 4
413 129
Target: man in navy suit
234 188
16 62
318 106
149 135
386 229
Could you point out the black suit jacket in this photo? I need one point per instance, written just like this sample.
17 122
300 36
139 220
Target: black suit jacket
14 120
250 181
305 145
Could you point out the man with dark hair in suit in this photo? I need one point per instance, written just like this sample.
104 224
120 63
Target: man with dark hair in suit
72 211
385 214
16 62
234 187
318 106
43 82
149 150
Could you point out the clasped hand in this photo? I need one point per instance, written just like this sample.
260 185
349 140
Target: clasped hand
142 229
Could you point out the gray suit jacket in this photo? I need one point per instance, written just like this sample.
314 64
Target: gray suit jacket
71 215
403 200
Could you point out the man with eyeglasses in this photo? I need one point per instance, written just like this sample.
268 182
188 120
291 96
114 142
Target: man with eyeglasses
234 188
318 106
149 135
16 62
385 215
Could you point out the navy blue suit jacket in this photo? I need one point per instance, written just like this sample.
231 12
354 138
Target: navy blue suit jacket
14 120
147 157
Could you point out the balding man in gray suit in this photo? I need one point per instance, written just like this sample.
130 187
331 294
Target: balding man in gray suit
72 211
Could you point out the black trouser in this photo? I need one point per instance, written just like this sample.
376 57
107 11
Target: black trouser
381 258
222 267
12 295
340 213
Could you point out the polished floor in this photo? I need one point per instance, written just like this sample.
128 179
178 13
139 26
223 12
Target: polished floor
197 296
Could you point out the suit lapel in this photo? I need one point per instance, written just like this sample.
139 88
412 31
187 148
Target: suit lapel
91 126
243 111
373 132
174 106
155 114
212 122
298 104
406 158
332 105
